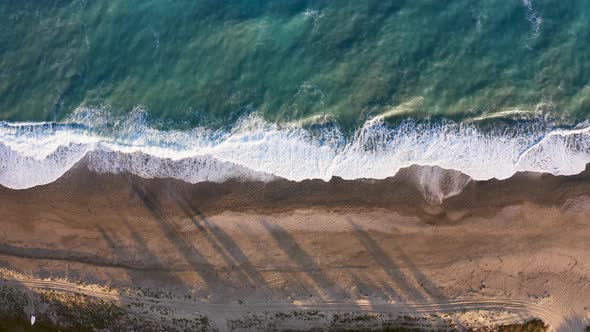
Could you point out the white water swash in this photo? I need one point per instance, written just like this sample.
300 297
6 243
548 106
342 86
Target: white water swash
39 153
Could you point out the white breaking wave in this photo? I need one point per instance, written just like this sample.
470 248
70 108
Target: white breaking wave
39 153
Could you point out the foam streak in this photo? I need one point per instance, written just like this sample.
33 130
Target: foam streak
39 153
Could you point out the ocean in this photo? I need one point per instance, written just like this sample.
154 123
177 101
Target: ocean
209 90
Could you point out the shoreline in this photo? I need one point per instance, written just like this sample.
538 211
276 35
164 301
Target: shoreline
382 243
258 151
424 191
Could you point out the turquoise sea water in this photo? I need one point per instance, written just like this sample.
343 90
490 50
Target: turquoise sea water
347 88
203 61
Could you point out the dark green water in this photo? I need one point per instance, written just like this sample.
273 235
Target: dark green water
210 61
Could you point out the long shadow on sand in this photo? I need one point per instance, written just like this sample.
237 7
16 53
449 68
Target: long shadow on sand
234 255
222 243
429 292
191 255
137 259
305 263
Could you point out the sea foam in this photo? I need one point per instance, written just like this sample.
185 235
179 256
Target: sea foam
255 150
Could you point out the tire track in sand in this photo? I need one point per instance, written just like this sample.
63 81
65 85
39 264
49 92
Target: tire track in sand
554 319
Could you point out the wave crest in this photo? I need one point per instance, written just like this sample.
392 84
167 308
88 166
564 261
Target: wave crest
39 153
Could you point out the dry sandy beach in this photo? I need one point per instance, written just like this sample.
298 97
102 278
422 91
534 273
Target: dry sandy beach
119 252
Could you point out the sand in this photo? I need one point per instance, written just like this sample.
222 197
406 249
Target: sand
457 255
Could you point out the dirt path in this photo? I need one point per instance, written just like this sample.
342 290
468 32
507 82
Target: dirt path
526 310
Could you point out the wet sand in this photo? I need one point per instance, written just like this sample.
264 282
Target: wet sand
238 253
